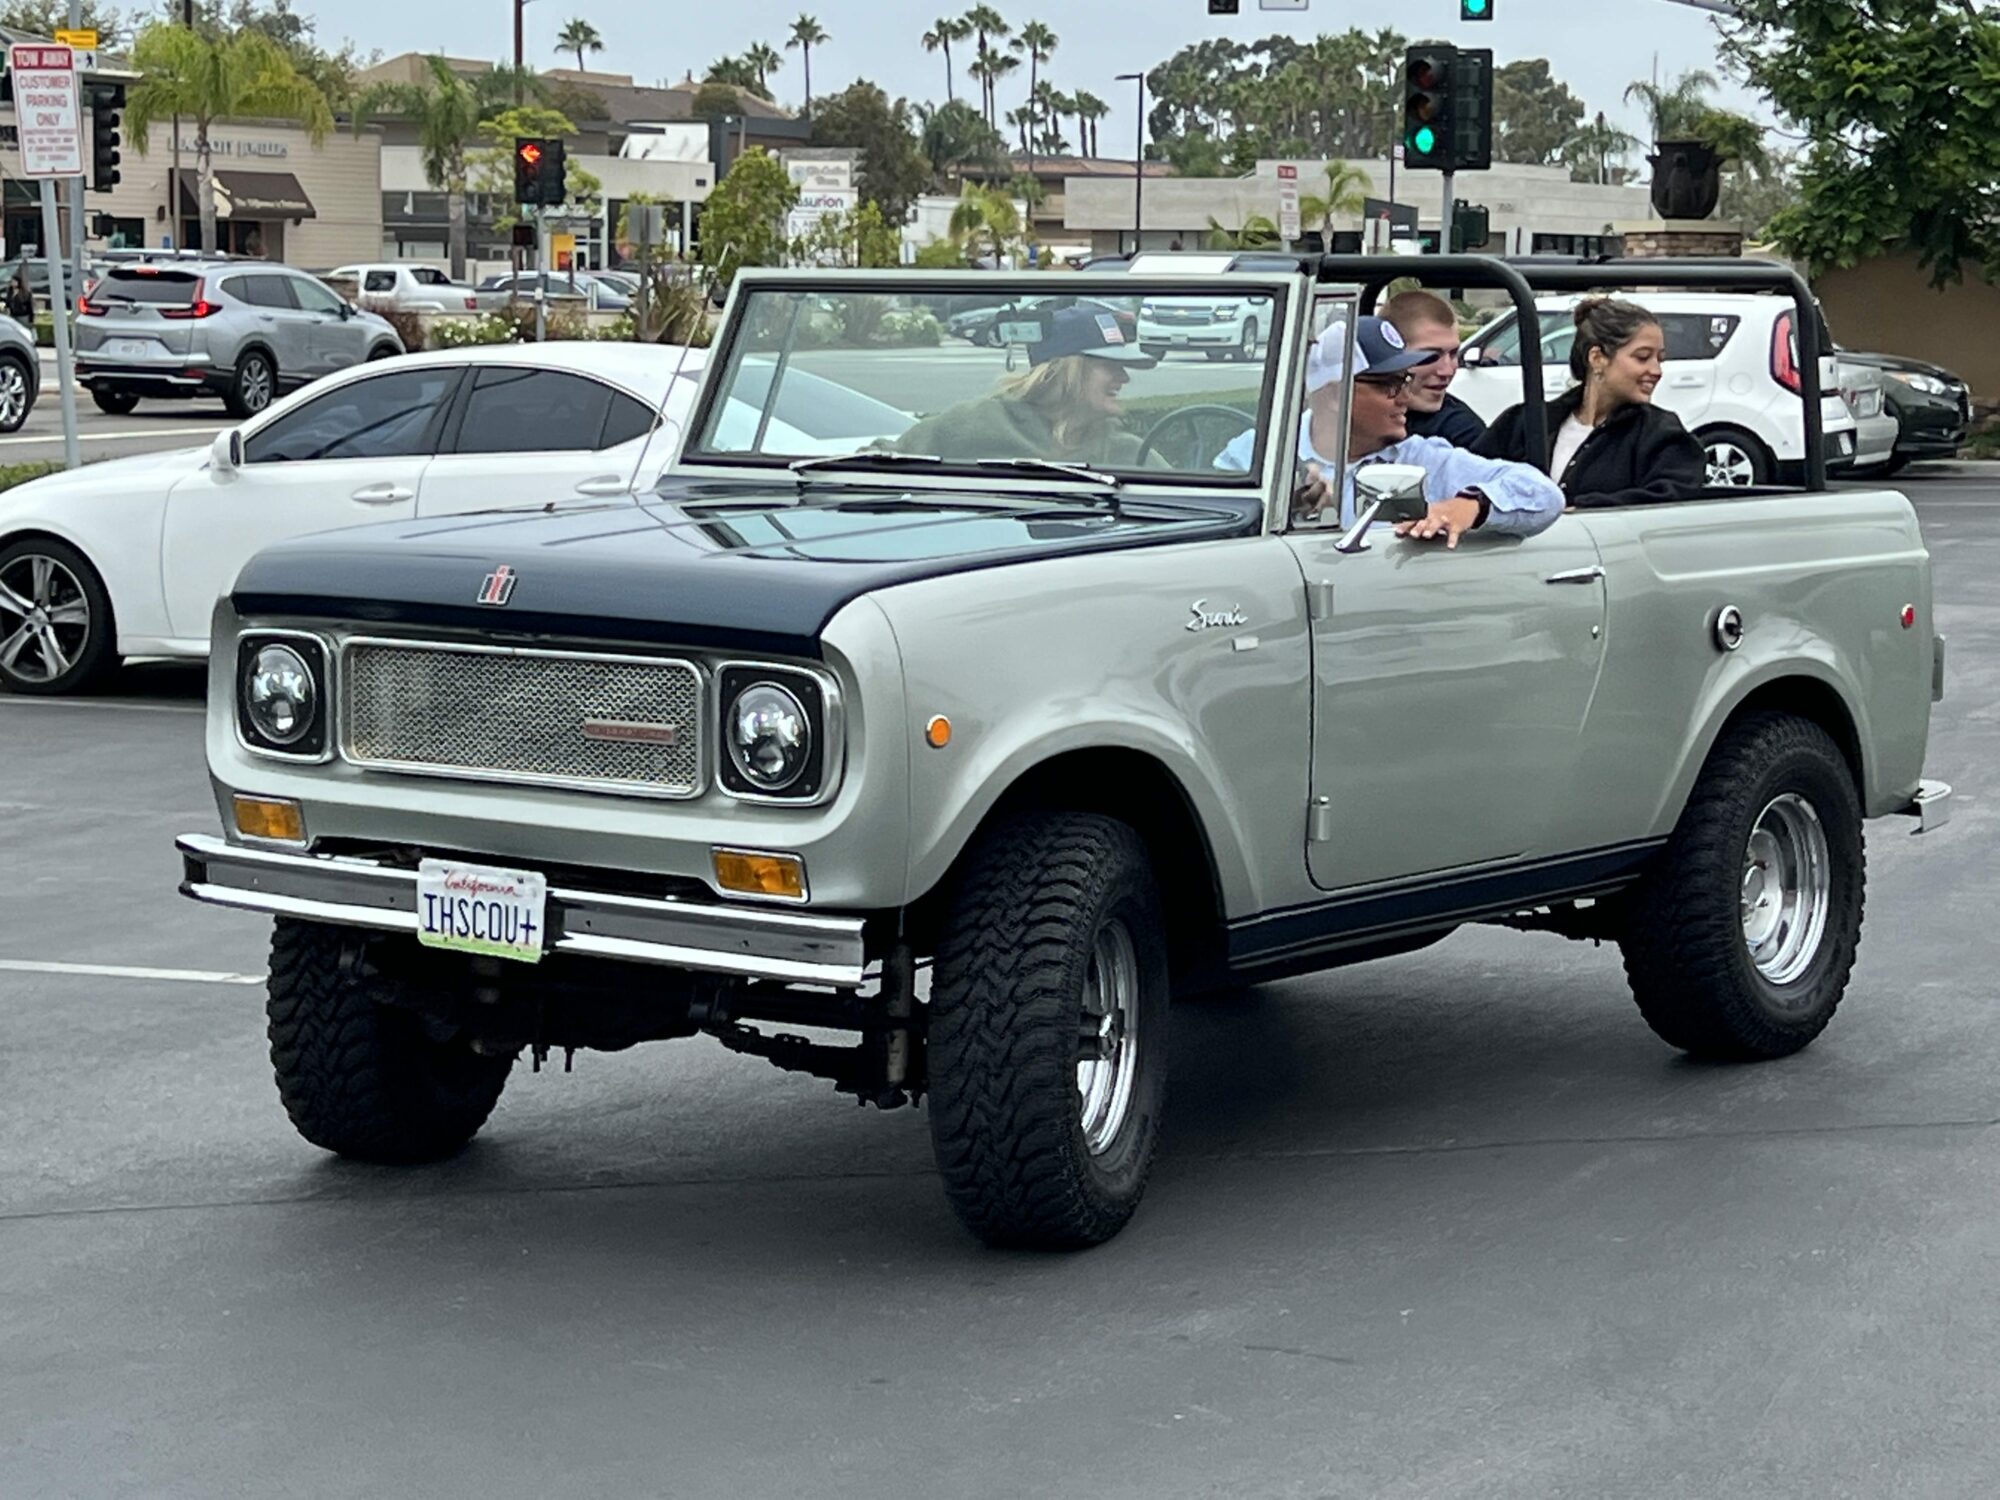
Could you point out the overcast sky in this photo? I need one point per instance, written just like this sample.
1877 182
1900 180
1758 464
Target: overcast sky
1597 47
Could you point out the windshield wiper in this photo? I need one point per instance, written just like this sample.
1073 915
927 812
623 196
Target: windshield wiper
864 458
1054 466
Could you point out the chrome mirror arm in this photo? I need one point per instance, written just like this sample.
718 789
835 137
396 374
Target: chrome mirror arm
1355 539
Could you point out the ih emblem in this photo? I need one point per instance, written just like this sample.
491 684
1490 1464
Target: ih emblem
499 586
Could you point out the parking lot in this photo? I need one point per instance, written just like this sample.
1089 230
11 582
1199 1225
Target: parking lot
1452 1224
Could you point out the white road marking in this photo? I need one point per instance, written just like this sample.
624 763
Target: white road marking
114 437
15 700
120 971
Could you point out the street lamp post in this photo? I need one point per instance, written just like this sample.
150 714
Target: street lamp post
1138 159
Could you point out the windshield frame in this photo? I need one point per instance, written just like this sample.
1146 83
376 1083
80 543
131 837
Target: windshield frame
1291 294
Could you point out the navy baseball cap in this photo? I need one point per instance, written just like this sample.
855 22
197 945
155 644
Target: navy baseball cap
1094 331
1378 350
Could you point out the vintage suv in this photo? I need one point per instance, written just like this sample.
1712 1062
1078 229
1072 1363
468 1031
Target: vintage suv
929 735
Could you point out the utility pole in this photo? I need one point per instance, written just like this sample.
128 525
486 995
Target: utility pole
1138 161
76 183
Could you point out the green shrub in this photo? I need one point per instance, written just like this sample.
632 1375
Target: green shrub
462 333
13 474
916 327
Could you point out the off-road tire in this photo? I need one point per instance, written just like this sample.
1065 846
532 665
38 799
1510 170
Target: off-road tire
115 402
254 385
361 1077
1005 1009
1685 952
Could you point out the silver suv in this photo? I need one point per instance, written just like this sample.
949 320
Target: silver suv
245 331
20 375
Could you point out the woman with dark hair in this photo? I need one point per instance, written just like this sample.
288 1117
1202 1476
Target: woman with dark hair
1608 443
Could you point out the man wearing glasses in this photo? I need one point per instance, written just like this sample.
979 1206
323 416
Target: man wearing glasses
1485 494
1426 321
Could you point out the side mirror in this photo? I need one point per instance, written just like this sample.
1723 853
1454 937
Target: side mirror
1471 355
1385 492
347 310
225 454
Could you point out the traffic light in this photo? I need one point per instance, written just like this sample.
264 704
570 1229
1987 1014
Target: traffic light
530 154
1471 226
1472 109
1428 74
106 100
1222 7
555 172
1475 10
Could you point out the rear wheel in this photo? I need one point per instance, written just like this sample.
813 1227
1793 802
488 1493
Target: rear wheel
383 351
1741 940
16 394
1247 350
56 630
1048 1031
255 383
359 1072
1735 460
110 399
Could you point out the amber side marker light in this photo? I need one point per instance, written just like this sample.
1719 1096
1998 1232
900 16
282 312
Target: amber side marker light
937 733
754 874
274 818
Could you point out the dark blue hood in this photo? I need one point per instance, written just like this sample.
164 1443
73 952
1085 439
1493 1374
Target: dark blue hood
734 571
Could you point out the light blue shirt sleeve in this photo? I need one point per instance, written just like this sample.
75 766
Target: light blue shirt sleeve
1521 500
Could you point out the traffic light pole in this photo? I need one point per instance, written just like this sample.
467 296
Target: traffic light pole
59 317
541 273
76 185
1444 224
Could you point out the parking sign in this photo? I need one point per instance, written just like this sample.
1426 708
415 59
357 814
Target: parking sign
45 109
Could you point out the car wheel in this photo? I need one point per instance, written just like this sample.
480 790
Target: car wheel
1735 460
15 397
360 1073
1896 464
1247 350
109 399
56 629
1739 943
383 351
255 384
1153 351
1048 1031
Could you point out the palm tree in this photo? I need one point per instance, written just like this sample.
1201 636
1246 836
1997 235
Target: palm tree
986 22
807 34
1089 110
579 36
1021 119
1673 111
998 66
245 76
1036 43
986 212
1593 148
764 60
446 110
1259 232
944 31
1347 190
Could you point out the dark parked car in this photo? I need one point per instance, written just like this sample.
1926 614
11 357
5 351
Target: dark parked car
1932 406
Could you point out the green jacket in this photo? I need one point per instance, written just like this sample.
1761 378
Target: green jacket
997 427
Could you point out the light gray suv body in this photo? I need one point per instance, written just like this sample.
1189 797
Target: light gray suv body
244 330
20 375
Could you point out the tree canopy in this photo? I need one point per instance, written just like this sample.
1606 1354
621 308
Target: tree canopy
892 170
743 222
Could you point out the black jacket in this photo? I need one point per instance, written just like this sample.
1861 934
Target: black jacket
1455 422
1637 454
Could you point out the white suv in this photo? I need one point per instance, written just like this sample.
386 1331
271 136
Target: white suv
1731 377
1226 328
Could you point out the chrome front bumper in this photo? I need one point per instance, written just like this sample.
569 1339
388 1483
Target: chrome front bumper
712 939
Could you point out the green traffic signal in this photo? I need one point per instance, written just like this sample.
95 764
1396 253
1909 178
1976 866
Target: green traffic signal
1475 10
1424 142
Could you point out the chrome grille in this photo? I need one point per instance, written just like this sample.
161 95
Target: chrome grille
517 715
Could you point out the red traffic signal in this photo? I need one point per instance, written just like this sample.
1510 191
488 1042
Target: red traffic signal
531 153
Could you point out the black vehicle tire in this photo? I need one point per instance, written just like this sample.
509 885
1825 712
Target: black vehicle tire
1153 351
114 401
1247 350
1724 964
17 392
254 387
41 571
383 351
359 1075
1734 458
1896 464
1215 355
1041 1145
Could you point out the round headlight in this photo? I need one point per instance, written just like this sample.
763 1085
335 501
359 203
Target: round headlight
770 737
278 695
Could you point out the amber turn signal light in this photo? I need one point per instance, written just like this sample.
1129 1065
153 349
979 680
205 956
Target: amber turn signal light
275 818
937 733
755 874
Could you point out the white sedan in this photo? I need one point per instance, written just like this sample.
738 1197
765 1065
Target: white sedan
127 557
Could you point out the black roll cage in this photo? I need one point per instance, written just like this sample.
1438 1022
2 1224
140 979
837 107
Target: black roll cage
1522 279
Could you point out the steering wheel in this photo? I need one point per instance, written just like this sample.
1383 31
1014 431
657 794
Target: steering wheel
1194 417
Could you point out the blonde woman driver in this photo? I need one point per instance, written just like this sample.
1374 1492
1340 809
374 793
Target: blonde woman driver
1065 406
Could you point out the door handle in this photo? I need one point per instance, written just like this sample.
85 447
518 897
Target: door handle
383 494
1576 575
604 486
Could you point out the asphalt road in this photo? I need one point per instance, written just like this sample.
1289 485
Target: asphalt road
155 425
1451 1225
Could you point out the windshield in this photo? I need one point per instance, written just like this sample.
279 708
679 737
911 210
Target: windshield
1145 385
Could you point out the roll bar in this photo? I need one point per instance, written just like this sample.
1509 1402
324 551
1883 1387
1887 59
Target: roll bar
1521 280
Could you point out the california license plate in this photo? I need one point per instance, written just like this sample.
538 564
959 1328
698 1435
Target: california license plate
478 909
133 348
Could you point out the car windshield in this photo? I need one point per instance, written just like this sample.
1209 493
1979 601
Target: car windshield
1149 384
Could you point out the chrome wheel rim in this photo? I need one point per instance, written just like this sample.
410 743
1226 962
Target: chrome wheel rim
1729 467
256 385
13 398
1787 888
1108 1041
44 618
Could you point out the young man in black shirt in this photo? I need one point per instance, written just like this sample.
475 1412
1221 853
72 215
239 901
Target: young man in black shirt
1426 321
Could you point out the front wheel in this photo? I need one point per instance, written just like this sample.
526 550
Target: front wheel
1739 944
16 397
253 386
1048 1032
1247 350
57 634
360 1073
